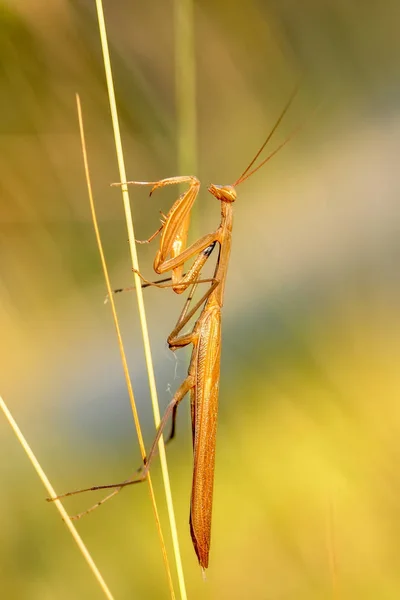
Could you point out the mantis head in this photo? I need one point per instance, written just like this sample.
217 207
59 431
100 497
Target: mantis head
225 193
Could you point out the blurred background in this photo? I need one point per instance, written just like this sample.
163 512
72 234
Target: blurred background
306 501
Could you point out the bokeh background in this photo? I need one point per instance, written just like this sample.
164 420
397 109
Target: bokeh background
307 502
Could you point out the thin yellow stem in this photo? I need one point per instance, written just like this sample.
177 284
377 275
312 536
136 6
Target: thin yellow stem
139 293
120 343
185 86
52 493
185 94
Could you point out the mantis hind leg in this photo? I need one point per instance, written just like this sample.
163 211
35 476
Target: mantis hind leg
181 392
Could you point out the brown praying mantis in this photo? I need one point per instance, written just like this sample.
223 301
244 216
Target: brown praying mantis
203 376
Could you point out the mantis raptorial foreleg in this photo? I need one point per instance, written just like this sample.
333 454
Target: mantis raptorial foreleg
175 225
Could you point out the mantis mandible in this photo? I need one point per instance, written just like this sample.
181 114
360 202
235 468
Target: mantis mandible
203 376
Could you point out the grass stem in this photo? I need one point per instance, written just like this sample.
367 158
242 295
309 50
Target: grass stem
121 347
50 490
139 294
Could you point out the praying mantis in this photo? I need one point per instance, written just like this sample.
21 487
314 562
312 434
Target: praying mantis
202 381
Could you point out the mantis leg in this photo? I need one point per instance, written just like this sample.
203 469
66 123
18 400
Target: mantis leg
151 238
174 229
188 278
181 392
184 388
196 248
132 287
155 234
160 284
161 183
174 339
187 385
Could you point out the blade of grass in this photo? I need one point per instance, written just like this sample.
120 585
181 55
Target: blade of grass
185 95
120 344
52 493
185 86
139 294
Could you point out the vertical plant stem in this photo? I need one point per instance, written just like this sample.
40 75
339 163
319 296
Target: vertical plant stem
139 294
185 93
52 494
185 86
120 344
